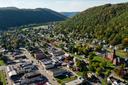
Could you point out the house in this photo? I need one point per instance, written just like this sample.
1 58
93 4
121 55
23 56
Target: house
25 74
126 49
126 62
31 75
114 81
66 55
39 55
33 78
58 59
40 80
110 46
12 73
58 72
10 68
47 64
70 64
20 57
58 53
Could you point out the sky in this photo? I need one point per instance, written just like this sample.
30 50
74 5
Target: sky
58 5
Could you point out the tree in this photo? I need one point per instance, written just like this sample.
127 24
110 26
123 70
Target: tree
104 82
98 71
125 42
98 48
107 73
91 55
78 63
81 65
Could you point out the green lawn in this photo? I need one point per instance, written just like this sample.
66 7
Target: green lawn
120 53
102 60
3 77
63 80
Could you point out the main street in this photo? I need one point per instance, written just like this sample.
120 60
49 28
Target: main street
51 79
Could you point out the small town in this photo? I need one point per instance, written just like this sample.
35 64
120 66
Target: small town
38 59
63 42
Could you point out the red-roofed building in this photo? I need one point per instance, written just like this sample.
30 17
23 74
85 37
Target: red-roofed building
113 58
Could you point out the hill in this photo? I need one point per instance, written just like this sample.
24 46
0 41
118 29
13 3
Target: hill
69 14
108 22
11 16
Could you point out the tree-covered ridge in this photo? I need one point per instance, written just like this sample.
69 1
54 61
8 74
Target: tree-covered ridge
109 22
12 17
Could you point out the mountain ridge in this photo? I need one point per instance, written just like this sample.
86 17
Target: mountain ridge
12 16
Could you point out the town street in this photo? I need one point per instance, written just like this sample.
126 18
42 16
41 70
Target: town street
51 79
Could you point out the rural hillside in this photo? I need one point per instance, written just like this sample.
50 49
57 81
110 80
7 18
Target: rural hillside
11 16
108 22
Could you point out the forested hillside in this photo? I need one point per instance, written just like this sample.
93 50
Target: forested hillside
11 16
108 22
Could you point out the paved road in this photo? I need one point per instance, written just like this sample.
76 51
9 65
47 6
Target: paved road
2 67
51 79
9 82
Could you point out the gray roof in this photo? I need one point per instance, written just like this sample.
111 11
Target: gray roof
47 61
58 71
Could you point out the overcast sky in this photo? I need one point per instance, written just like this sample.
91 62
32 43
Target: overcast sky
57 5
